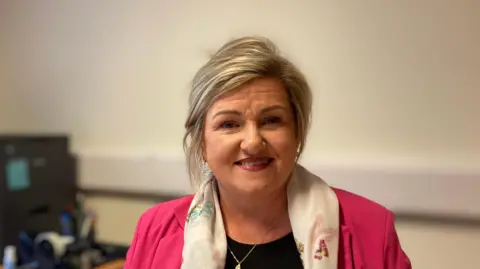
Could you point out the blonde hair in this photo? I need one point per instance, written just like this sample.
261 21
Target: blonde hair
234 64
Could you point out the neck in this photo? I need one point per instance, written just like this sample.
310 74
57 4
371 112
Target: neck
254 219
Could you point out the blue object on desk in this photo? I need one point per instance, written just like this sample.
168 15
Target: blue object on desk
25 247
66 222
17 174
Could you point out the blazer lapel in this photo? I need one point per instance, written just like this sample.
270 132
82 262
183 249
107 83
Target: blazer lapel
349 248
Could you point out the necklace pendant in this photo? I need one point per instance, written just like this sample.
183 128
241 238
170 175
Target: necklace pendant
238 266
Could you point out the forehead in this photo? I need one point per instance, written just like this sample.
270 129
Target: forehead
254 95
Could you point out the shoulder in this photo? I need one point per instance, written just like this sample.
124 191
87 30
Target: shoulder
163 216
364 218
360 209
158 223
166 210
162 221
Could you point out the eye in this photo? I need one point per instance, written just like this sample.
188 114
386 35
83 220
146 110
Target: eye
229 125
272 120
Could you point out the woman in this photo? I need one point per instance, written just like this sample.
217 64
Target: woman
254 206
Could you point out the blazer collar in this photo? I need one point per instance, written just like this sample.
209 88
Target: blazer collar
181 211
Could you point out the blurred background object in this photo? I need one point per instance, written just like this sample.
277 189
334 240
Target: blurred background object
396 104
39 182
44 221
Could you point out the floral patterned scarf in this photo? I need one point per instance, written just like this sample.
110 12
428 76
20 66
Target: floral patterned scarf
314 215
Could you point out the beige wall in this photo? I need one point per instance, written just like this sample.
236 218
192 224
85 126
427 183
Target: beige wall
117 217
440 246
393 80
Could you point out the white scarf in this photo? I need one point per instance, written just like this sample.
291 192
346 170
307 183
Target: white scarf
314 215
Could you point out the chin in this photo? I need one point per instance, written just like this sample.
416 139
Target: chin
258 186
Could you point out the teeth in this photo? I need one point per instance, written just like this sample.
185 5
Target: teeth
254 163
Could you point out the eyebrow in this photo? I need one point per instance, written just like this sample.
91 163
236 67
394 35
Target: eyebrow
238 113
270 108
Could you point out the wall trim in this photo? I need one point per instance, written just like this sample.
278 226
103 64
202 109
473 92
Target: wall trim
434 219
414 190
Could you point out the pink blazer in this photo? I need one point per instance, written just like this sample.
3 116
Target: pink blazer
368 239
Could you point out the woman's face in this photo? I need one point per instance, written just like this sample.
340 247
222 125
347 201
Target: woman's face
249 138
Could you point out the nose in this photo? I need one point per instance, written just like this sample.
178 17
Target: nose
252 142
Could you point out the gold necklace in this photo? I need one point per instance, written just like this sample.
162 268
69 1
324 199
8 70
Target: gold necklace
239 263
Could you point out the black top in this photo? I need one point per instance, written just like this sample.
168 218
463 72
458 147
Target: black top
281 253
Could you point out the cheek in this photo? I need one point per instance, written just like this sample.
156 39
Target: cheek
285 147
284 144
219 150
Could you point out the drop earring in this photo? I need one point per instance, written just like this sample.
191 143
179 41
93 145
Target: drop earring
207 173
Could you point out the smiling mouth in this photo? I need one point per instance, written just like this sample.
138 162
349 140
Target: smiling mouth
254 164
